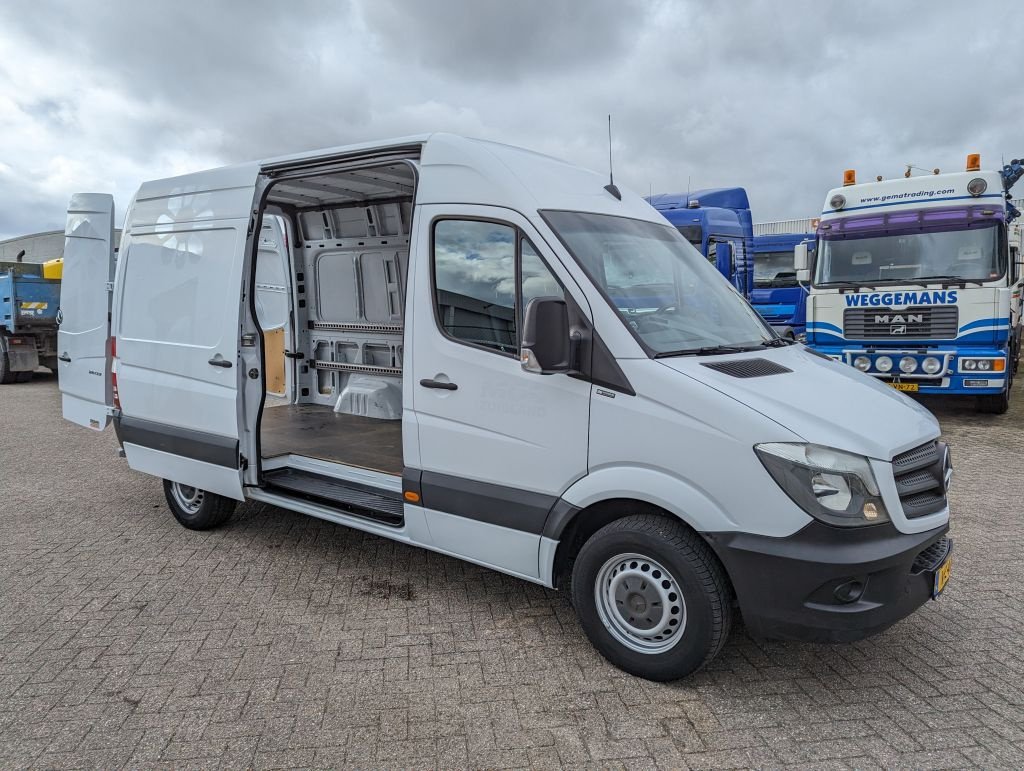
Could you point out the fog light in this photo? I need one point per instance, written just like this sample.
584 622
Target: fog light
977 186
908 364
931 365
970 364
883 364
985 365
863 363
838 201
851 591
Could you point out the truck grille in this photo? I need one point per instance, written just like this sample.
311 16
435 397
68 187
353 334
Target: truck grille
921 479
939 322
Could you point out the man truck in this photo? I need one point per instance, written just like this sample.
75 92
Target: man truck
777 295
917 281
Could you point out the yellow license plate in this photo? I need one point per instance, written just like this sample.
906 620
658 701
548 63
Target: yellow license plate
905 386
942 576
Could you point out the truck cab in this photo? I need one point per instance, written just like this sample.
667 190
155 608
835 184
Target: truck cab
717 221
916 281
777 295
29 304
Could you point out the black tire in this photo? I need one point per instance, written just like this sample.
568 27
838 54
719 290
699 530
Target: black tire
693 570
994 404
197 509
24 377
6 376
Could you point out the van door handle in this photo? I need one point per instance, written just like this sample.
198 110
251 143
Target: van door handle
220 363
64 357
427 383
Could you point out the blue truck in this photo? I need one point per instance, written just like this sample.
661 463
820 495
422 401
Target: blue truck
777 295
29 305
718 223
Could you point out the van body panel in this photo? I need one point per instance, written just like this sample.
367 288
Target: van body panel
211 477
83 339
508 549
689 449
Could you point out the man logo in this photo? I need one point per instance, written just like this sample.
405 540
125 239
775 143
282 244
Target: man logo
898 329
899 318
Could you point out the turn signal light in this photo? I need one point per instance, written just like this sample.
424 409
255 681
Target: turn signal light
849 177
974 162
412 497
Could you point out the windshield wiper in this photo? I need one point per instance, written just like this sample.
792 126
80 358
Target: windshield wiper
778 342
847 284
926 280
707 350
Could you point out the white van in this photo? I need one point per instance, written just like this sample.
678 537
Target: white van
493 354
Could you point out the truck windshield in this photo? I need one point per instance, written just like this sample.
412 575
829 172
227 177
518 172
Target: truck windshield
774 269
970 254
673 300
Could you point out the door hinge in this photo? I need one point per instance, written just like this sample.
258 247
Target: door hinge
243 462
110 286
294 355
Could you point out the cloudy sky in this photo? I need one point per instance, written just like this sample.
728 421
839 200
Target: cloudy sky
777 96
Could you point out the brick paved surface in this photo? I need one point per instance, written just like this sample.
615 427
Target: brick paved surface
282 641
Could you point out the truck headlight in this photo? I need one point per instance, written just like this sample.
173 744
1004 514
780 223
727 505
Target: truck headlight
908 364
836 487
931 365
863 363
883 364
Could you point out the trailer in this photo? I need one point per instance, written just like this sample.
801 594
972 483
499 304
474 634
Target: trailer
29 305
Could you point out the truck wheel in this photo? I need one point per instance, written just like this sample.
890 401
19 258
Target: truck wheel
24 377
197 509
994 404
652 597
6 376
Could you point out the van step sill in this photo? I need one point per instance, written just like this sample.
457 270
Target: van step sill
380 506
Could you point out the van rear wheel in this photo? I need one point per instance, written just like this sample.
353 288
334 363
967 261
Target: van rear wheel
652 597
197 509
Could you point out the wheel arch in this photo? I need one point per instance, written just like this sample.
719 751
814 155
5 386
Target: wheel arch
617 492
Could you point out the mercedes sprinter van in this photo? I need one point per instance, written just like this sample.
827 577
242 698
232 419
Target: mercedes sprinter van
495 355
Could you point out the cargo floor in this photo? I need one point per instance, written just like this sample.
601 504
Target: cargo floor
316 431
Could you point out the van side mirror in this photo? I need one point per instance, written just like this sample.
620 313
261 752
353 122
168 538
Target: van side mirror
801 258
545 349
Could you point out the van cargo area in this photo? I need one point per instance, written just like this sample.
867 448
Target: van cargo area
335 246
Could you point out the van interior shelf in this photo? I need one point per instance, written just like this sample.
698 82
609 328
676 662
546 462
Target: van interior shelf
344 366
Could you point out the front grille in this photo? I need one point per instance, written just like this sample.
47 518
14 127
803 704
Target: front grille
921 479
939 322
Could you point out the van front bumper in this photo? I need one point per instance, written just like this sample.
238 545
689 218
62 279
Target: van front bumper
828 584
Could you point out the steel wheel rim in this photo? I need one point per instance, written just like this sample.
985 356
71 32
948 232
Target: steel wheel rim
640 603
188 498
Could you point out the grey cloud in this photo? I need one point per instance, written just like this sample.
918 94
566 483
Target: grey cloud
777 97
499 41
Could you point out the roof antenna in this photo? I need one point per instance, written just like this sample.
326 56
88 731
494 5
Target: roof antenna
610 187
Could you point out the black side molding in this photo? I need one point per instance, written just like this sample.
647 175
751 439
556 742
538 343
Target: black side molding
197 445
482 501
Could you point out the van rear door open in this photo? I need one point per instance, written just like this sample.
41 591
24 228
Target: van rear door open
83 341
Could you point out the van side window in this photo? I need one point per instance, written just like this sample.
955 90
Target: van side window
475 282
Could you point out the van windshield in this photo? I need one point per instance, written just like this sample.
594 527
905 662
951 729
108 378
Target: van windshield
673 300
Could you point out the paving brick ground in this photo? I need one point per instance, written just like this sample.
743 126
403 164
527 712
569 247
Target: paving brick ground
284 641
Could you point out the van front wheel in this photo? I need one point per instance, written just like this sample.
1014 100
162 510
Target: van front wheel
652 597
197 509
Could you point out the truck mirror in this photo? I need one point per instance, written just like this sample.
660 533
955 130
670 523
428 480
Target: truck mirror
545 348
800 258
803 276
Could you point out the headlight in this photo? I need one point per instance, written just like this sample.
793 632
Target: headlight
863 363
908 364
837 487
970 364
984 364
883 364
931 365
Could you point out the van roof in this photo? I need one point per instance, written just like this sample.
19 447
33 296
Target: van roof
452 169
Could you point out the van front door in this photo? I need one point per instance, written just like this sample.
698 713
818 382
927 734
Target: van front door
83 339
497 446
